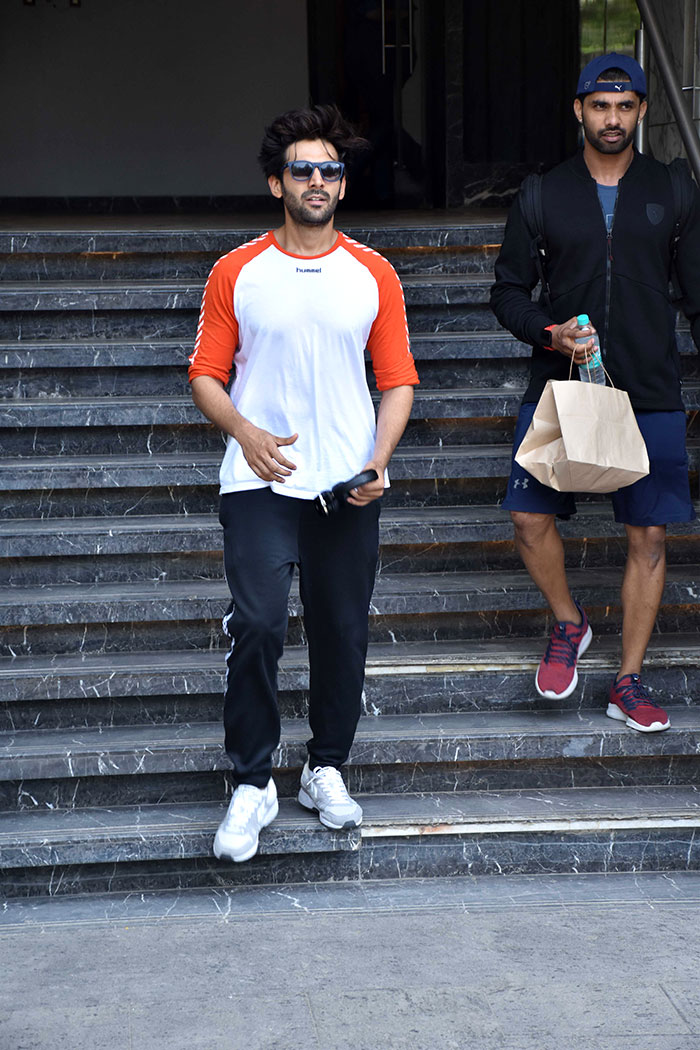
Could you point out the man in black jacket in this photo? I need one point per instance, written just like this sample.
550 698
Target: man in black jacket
609 223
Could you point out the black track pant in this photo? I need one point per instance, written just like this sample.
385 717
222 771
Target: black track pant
265 535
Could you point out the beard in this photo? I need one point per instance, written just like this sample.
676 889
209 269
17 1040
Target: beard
303 214
598 142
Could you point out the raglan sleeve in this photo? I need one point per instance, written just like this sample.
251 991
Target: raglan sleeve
688 265
217 332
389 344
516 276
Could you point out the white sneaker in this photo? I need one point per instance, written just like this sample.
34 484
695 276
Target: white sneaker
324 790
250 810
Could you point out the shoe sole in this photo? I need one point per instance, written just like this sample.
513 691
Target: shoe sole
308 803
549 694
617 713
221 852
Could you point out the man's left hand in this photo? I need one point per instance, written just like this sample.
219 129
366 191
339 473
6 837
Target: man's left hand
371 490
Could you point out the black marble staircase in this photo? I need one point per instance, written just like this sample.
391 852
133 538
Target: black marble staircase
112 775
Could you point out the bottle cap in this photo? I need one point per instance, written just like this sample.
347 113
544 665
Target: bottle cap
583 320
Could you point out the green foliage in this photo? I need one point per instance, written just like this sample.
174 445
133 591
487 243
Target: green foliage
607 25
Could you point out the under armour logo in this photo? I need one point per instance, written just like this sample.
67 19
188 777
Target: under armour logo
523 483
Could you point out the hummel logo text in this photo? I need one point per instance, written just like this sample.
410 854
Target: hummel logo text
308 269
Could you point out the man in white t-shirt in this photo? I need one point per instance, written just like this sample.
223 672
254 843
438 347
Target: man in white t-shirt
289 315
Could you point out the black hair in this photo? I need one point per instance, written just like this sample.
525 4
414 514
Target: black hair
613 75
318 122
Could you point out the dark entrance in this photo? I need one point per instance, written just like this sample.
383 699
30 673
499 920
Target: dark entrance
459 98
382 62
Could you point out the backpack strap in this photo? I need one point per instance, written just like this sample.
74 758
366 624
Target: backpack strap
531 210
682 185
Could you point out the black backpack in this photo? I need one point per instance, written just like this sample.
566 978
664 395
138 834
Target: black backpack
531 210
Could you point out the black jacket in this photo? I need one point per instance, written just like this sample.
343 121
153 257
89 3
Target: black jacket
621 282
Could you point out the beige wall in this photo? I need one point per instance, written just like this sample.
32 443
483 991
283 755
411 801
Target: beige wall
144 97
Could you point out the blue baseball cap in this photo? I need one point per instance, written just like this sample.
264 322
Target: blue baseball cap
588 81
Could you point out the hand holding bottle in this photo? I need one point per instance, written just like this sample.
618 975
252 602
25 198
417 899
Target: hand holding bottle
592 370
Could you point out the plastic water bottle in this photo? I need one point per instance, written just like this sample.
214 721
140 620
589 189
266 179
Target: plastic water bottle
592 371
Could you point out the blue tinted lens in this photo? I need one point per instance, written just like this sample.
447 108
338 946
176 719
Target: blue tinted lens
302 170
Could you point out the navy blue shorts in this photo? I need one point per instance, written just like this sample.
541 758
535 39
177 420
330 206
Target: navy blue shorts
662 497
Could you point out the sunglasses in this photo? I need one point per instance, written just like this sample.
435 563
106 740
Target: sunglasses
302 170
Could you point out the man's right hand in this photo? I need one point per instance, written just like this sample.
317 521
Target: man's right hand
262 452
564 336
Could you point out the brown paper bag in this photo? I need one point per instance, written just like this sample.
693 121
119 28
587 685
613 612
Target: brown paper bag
583 438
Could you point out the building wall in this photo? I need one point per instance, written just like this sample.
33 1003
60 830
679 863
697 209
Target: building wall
144 97
680 24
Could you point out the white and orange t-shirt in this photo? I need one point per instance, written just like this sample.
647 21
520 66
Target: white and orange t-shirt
296 328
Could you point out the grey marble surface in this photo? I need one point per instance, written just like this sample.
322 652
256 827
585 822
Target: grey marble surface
135 325
405 857
134 688
47 839
218 235
414 592
544 894
439 738
167 265
186 470
101 720
136 833
419 289
22 538
144 411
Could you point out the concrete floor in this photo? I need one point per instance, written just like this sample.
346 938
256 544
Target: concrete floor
595 962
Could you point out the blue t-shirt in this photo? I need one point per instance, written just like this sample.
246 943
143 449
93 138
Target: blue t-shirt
607 195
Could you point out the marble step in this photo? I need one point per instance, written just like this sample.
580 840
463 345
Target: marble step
114 368
394 594
190 469
192 434
404 607
400 752
436 541
456 403
132 411
496 363
188 265
118 834
142 688
142 323
175 469
155 833
219 234
175 533
30 355
20 296
37 426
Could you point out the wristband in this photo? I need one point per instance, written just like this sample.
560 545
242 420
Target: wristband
545 342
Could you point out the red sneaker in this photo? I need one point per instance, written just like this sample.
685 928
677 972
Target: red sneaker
629 702
556 676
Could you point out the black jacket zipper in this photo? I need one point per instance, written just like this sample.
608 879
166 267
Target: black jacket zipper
608 271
